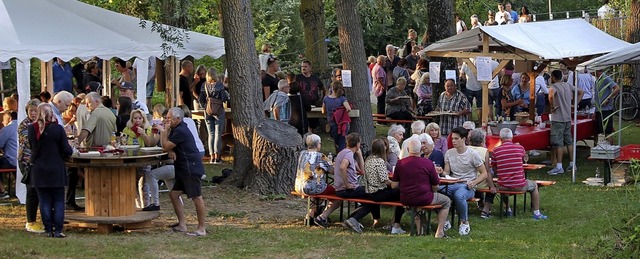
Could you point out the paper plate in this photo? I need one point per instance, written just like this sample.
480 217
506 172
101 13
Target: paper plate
129 146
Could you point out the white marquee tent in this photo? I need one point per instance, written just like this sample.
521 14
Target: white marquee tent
68 29
568 40
626 55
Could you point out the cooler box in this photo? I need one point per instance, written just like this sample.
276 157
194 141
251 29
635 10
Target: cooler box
629 152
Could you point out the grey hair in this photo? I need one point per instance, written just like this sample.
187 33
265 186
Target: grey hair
177 112
505 134
313 141
93 96
417 127
282 84
63 95
394 129
390 47
33 103
414 145
426 137
477 137
469 125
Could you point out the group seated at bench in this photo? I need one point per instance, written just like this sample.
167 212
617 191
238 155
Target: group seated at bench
414 184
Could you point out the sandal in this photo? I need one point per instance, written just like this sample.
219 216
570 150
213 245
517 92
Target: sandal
177 230
485 215
195 234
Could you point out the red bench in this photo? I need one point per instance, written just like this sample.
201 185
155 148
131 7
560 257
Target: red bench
418 212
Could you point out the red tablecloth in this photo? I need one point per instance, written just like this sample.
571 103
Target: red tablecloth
532 137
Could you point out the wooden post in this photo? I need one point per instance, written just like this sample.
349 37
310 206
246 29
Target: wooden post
485 85
532 93
46 76
106 78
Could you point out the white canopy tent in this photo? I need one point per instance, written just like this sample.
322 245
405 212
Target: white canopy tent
67 29
626 55
567 40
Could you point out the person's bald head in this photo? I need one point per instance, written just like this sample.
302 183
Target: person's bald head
62 100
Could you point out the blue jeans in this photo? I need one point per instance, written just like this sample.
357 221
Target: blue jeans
339 140
52 208
215 128
150 86
541 102
459 194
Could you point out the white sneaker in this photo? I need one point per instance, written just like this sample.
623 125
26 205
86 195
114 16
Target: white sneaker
447 225
397 231
555 171
464 229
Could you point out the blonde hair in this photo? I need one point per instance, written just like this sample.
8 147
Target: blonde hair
371 59
45 115
401 80
158 109
431 126
424 79
145 121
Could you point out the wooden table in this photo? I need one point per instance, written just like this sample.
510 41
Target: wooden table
110 187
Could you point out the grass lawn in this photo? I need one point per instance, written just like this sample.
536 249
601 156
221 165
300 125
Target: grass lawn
582 223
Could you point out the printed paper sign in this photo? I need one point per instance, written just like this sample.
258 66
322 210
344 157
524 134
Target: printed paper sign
484 68
346 78
450 74
434 72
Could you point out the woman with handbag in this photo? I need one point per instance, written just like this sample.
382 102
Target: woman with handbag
212 96
48 175
24 162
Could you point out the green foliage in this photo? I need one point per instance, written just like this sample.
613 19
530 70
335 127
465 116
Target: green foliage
278 23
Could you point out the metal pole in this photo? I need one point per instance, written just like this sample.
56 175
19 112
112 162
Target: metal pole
550 14
575 126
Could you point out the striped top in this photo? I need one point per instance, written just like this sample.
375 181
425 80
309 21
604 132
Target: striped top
508 160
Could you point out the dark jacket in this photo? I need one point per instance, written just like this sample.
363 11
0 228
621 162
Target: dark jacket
299 109
47 154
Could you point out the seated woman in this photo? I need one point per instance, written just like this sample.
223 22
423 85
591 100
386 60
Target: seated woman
439 142
477 142
425 95
311 177
429 152
463 163
394 137
139 132
378 185
399 102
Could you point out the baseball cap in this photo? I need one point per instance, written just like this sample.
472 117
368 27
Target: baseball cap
126 85
94 86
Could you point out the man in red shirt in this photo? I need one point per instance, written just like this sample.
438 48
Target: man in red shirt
418 182
506 160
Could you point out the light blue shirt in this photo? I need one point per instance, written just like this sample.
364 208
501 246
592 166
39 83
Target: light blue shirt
9 142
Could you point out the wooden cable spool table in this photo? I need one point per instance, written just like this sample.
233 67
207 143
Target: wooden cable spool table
110 188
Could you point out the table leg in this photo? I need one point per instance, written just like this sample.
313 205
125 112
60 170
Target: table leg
607 172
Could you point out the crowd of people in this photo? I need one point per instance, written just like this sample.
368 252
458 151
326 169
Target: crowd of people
409 170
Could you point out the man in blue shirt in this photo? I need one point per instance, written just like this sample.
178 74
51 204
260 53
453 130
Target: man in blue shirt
9 145
178 141
604 93
62 76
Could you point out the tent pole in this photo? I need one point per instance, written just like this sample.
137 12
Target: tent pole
575 125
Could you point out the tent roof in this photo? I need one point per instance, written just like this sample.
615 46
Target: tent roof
626 55
67 29
549 40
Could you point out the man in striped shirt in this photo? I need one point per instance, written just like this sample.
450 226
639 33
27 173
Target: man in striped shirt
506 160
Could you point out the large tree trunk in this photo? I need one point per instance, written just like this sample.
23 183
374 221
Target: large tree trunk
353 56
244 84
441 25
274 157
633 35
312 15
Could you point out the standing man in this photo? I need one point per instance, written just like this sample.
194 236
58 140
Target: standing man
311 89
178 141
514 14
380 83
269 79
560 97
412 59
587 83
455 104
101 123
186 84
263 57
91 68
151 76
126 89
62 76
606 90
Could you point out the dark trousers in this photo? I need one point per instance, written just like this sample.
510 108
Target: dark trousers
388 195
73 184
359 193
340 141
52 208
32 204
381 102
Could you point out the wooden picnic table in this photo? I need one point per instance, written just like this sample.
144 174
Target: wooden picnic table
110 186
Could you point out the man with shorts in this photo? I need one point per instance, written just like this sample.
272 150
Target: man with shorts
178 141
560 97
506 161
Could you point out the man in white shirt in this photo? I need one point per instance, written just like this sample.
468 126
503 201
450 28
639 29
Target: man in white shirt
586 82
502 16
541 91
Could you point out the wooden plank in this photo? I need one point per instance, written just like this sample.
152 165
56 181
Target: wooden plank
115 190
105 228
105 192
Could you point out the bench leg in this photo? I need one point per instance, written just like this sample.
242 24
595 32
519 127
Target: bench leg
414 225
515 205
428 221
